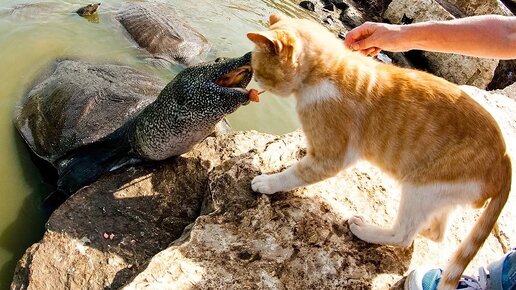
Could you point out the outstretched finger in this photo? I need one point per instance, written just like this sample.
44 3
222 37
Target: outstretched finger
368 51
375 52
357 34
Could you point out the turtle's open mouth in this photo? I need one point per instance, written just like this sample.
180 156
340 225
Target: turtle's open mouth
238 77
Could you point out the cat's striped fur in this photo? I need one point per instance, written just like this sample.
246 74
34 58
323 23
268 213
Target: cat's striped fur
443 147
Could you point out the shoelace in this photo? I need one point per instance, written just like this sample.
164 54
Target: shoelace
470 283
483 278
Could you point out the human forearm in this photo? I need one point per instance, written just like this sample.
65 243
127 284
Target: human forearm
488 36
482 36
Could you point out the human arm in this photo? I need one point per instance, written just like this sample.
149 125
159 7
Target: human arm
489 36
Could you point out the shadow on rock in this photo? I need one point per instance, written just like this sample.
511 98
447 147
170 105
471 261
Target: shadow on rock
102 235
28 226
292 240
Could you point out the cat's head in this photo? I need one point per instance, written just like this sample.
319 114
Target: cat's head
275 58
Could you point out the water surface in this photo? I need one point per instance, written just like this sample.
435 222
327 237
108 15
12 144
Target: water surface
32 38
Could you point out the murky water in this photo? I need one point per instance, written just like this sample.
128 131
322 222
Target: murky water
34 37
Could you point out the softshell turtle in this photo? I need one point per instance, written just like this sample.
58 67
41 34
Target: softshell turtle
32 10
74 103
46 9
157 28
87 123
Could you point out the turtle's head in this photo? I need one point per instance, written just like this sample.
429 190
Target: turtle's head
232 73
89 9
217 86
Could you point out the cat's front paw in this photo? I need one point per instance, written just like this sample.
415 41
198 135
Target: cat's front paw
264 183
356 225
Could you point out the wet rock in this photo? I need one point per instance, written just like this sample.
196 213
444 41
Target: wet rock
353 17
455 68
475 7
234 238
329 20
340 4
328 5
510 4
67 107
308 5
374 7
177 41
504 75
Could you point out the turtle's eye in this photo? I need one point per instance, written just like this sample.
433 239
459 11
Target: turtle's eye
219 59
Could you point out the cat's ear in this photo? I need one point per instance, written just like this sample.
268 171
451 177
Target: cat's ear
275 18
267 40
280 42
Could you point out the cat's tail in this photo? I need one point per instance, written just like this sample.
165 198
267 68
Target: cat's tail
470 246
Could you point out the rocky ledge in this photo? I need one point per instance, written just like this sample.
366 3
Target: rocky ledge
193 222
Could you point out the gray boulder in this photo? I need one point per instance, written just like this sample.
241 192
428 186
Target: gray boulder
475 7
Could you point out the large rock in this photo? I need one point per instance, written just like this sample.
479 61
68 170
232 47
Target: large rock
67 107
505 75
157 28
462 70
104 234
475 7
116 232
510 4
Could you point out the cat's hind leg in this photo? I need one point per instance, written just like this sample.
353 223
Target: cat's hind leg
437 226
418 205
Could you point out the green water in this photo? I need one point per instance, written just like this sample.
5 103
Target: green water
31 39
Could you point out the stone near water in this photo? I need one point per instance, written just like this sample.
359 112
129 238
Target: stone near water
308 5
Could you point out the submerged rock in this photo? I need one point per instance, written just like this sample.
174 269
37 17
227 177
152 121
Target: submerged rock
308 5
157 28
124 231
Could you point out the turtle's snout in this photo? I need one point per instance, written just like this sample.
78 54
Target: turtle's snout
234 72
88 10
236 78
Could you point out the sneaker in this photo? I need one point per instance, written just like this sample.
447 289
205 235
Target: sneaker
428 280
503 272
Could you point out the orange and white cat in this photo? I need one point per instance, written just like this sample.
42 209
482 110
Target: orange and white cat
443 148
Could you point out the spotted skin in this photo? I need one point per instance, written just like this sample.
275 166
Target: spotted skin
188 108
185 112
89 9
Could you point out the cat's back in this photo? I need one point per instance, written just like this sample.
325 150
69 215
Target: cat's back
417 118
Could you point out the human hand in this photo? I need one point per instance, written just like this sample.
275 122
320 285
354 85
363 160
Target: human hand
371 37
